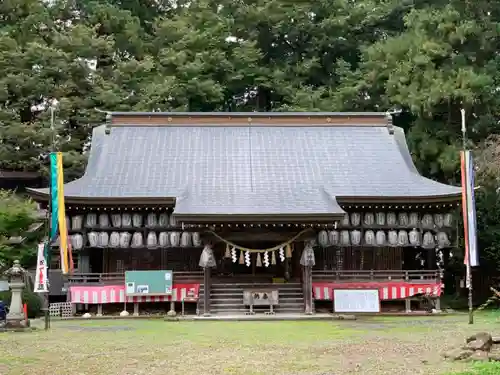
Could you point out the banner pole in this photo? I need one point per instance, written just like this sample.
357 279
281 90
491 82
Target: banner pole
49 221
468 269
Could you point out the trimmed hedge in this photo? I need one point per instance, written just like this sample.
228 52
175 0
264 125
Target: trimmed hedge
32 299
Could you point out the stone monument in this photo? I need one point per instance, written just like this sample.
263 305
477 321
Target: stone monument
15 317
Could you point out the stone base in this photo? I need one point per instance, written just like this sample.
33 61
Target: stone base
14 324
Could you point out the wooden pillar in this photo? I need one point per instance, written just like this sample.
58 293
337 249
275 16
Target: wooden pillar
136 309
408 305
308 290
206 291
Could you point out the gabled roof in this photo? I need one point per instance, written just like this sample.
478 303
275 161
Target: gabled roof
251 168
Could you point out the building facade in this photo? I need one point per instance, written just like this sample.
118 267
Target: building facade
305 203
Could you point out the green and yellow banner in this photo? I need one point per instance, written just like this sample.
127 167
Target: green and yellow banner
58 212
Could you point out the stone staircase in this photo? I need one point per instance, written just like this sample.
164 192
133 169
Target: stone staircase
227 299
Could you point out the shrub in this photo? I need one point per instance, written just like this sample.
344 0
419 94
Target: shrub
32 299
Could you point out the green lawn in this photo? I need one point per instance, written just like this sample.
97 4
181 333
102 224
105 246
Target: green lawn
481 369
372 346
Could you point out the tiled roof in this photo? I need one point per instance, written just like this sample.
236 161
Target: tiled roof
252 169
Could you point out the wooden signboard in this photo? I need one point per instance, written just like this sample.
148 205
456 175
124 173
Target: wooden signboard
148 283
356 301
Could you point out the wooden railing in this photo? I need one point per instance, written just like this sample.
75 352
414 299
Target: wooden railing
376 275
119 277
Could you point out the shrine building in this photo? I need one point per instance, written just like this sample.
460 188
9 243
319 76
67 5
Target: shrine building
300 204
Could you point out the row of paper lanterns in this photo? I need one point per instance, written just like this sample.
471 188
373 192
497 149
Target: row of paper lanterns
125 220
394 238
136 240
401 219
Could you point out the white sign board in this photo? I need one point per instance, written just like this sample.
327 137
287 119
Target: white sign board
356 301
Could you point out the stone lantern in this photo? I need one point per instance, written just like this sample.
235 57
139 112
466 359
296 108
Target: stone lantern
15 317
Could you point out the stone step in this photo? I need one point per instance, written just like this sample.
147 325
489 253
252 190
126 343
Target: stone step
242 311
240 294
239 299
243 286
231 304
227 298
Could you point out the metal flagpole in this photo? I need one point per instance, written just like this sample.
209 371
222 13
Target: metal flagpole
468 270
49 223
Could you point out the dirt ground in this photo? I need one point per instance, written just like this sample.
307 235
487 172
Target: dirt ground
372 346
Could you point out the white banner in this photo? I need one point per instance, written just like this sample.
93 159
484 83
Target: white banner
41 282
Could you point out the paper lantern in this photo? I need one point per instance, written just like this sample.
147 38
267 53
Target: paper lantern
137 240
439 220
355 219
323 238
164 239
369 219
380 238
126 220
415 238
125 239
175 239
443 240
103 221
345 239
403 238
77 241
380 218
355 238
186 239
103 239
403 219
151 220
93 238
427 221
114 240
370 238
333 237
428 241
345 220
163 220
391 219
448 220
137 220
413 220
91 220
116 220
173 222
77 222
152 240
196 237
392 238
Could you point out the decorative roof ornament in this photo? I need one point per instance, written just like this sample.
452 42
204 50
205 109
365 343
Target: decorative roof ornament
389 116
107 129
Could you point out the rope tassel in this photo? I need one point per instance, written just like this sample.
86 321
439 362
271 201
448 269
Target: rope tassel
228 252
259 261
242 259
288 251
273 258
